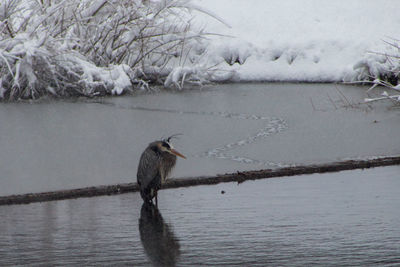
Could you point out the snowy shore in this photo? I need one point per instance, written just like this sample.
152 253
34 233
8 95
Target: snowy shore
99 47
307 40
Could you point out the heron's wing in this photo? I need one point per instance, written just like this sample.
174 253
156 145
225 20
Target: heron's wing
148 168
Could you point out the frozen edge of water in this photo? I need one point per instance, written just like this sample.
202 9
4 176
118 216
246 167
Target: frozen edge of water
272 126
238 177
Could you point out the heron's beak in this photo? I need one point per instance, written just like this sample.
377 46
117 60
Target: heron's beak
173 151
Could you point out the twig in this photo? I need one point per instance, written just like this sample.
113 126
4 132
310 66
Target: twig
344 97
333 103
312 104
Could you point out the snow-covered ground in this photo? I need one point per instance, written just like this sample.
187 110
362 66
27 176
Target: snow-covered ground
301 40
98 47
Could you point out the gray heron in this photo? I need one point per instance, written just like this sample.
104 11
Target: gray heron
156 163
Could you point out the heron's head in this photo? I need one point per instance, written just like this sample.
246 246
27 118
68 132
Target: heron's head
166 146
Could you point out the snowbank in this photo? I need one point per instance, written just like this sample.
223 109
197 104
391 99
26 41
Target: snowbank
95 47
301 40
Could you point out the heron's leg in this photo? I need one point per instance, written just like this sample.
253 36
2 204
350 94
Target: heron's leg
156 198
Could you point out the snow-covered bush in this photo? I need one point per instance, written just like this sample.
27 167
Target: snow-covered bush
92 47
385 95
382 69
381 65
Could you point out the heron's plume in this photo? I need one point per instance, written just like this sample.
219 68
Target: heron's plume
172 137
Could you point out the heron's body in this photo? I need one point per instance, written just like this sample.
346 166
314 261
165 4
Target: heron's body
156 163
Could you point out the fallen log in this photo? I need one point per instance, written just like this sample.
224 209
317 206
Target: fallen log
238 177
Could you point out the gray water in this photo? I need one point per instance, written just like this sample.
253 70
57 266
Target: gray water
348 218
49 145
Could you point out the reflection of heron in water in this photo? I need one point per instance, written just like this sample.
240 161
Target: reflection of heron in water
158 240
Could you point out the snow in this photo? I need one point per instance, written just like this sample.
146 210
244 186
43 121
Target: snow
300 40
50 47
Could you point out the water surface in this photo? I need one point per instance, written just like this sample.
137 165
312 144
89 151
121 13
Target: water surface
50 145
348 218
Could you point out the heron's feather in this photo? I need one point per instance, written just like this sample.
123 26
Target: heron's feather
148 168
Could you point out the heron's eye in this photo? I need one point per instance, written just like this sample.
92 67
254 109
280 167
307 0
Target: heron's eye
166 145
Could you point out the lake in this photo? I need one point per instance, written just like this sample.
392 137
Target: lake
348 218
49 145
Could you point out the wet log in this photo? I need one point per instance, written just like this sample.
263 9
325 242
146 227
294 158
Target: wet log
238 177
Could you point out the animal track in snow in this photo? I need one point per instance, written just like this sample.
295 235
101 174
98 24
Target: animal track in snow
273 125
